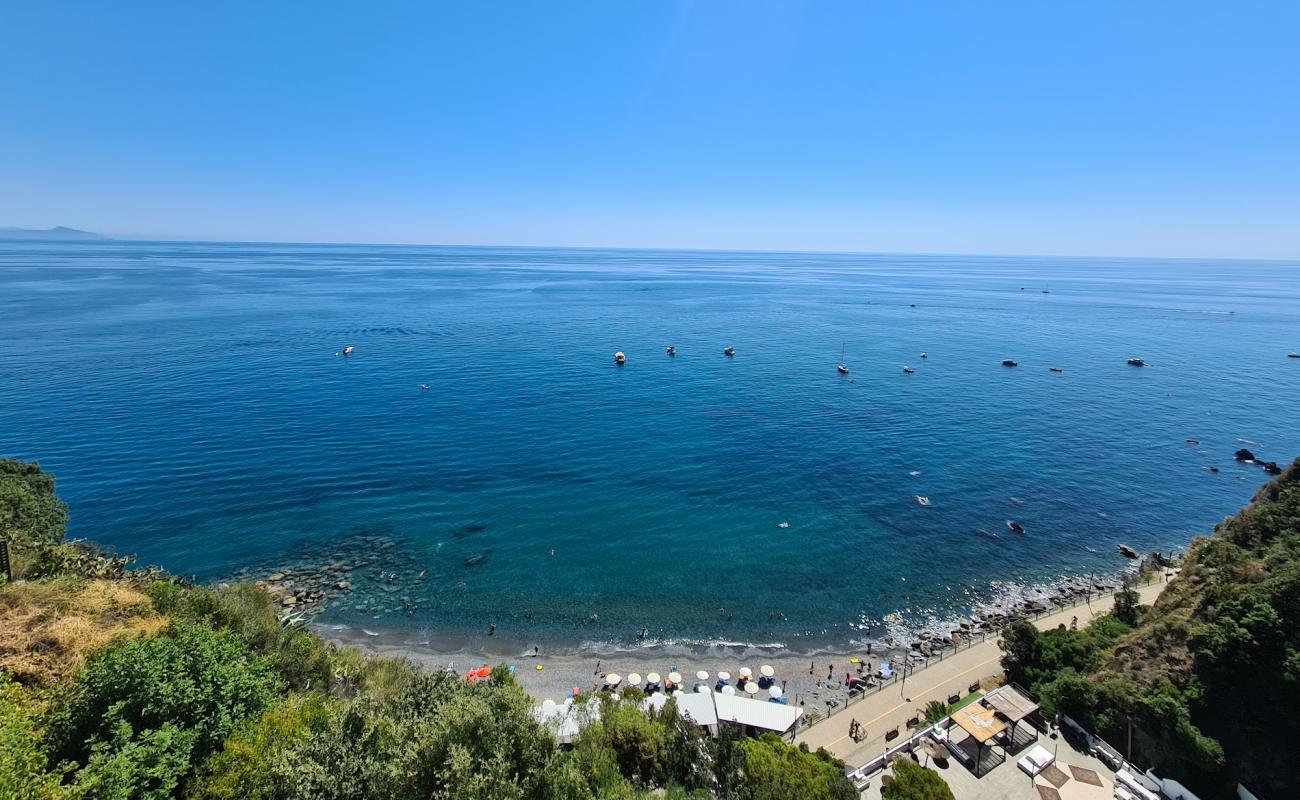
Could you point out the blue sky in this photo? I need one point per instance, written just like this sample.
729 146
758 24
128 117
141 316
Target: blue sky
1094 127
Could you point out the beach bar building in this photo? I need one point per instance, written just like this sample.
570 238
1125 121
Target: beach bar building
755 717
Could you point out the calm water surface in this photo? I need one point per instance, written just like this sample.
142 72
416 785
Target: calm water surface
189 399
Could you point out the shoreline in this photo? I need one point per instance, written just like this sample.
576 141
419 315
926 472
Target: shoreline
555 669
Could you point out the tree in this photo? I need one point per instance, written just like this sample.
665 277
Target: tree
914 782
776 771
1018 644
31 514
1126 608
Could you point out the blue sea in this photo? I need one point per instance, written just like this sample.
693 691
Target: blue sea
193 403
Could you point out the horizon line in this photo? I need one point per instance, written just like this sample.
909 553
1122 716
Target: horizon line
122 238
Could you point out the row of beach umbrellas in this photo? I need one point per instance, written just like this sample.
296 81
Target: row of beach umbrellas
613 680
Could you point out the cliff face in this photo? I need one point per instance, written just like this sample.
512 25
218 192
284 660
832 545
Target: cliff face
1211 677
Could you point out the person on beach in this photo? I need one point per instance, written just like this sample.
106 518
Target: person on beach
812 666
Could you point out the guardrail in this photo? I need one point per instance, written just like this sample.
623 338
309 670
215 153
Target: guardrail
909 669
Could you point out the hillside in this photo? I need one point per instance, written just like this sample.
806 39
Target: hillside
58 233
1211 675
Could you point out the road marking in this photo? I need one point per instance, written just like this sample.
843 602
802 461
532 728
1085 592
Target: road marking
878 717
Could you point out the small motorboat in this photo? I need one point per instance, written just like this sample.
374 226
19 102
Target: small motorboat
1127 551
424 387
1210 469
347 351
908 370
729 352
1015 501
619 358
923 500
1136 362
841 369
1055 369
1009 362
1192 441
1015 527
923 355
672 351
1293 355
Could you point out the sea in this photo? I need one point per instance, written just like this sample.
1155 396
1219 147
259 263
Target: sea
479 459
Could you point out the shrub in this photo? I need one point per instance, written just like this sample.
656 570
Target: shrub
244 768
118 718
24 769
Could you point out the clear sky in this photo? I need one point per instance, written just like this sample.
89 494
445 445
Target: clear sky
1046 126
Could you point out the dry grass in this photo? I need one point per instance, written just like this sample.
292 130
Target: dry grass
48 629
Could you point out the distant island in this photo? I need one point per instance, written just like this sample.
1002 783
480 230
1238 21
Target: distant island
59 233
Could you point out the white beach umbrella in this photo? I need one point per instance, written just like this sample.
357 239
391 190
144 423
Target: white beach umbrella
705 690
653 677
745 672
613 678
751 688
775 691
728 690
634 678
678 693
724 676
767 670
675 677
702 675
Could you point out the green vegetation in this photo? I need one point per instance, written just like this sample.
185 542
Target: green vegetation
119 684
915 782
1207 681
31 514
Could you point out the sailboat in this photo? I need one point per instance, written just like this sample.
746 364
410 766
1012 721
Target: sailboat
840 368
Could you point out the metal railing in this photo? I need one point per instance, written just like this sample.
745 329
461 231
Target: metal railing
909 669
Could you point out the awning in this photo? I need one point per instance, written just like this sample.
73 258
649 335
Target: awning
698 708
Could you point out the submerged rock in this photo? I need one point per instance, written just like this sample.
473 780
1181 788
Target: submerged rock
1244 455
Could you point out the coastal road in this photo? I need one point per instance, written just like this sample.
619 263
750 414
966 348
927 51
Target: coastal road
892 707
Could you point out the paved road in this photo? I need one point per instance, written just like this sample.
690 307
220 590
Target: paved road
891 707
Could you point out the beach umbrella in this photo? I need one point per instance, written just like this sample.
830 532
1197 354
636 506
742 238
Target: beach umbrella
653 677
702 675
613 678
678 693
767 670
675 677
751 688
634 678
724 676
775 691
728 690
745 672
702 689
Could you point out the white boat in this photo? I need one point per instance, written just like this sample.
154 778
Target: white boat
923 355
729 351
840 367
908 369
1009 362
619 358
672 351
923 500
347 351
